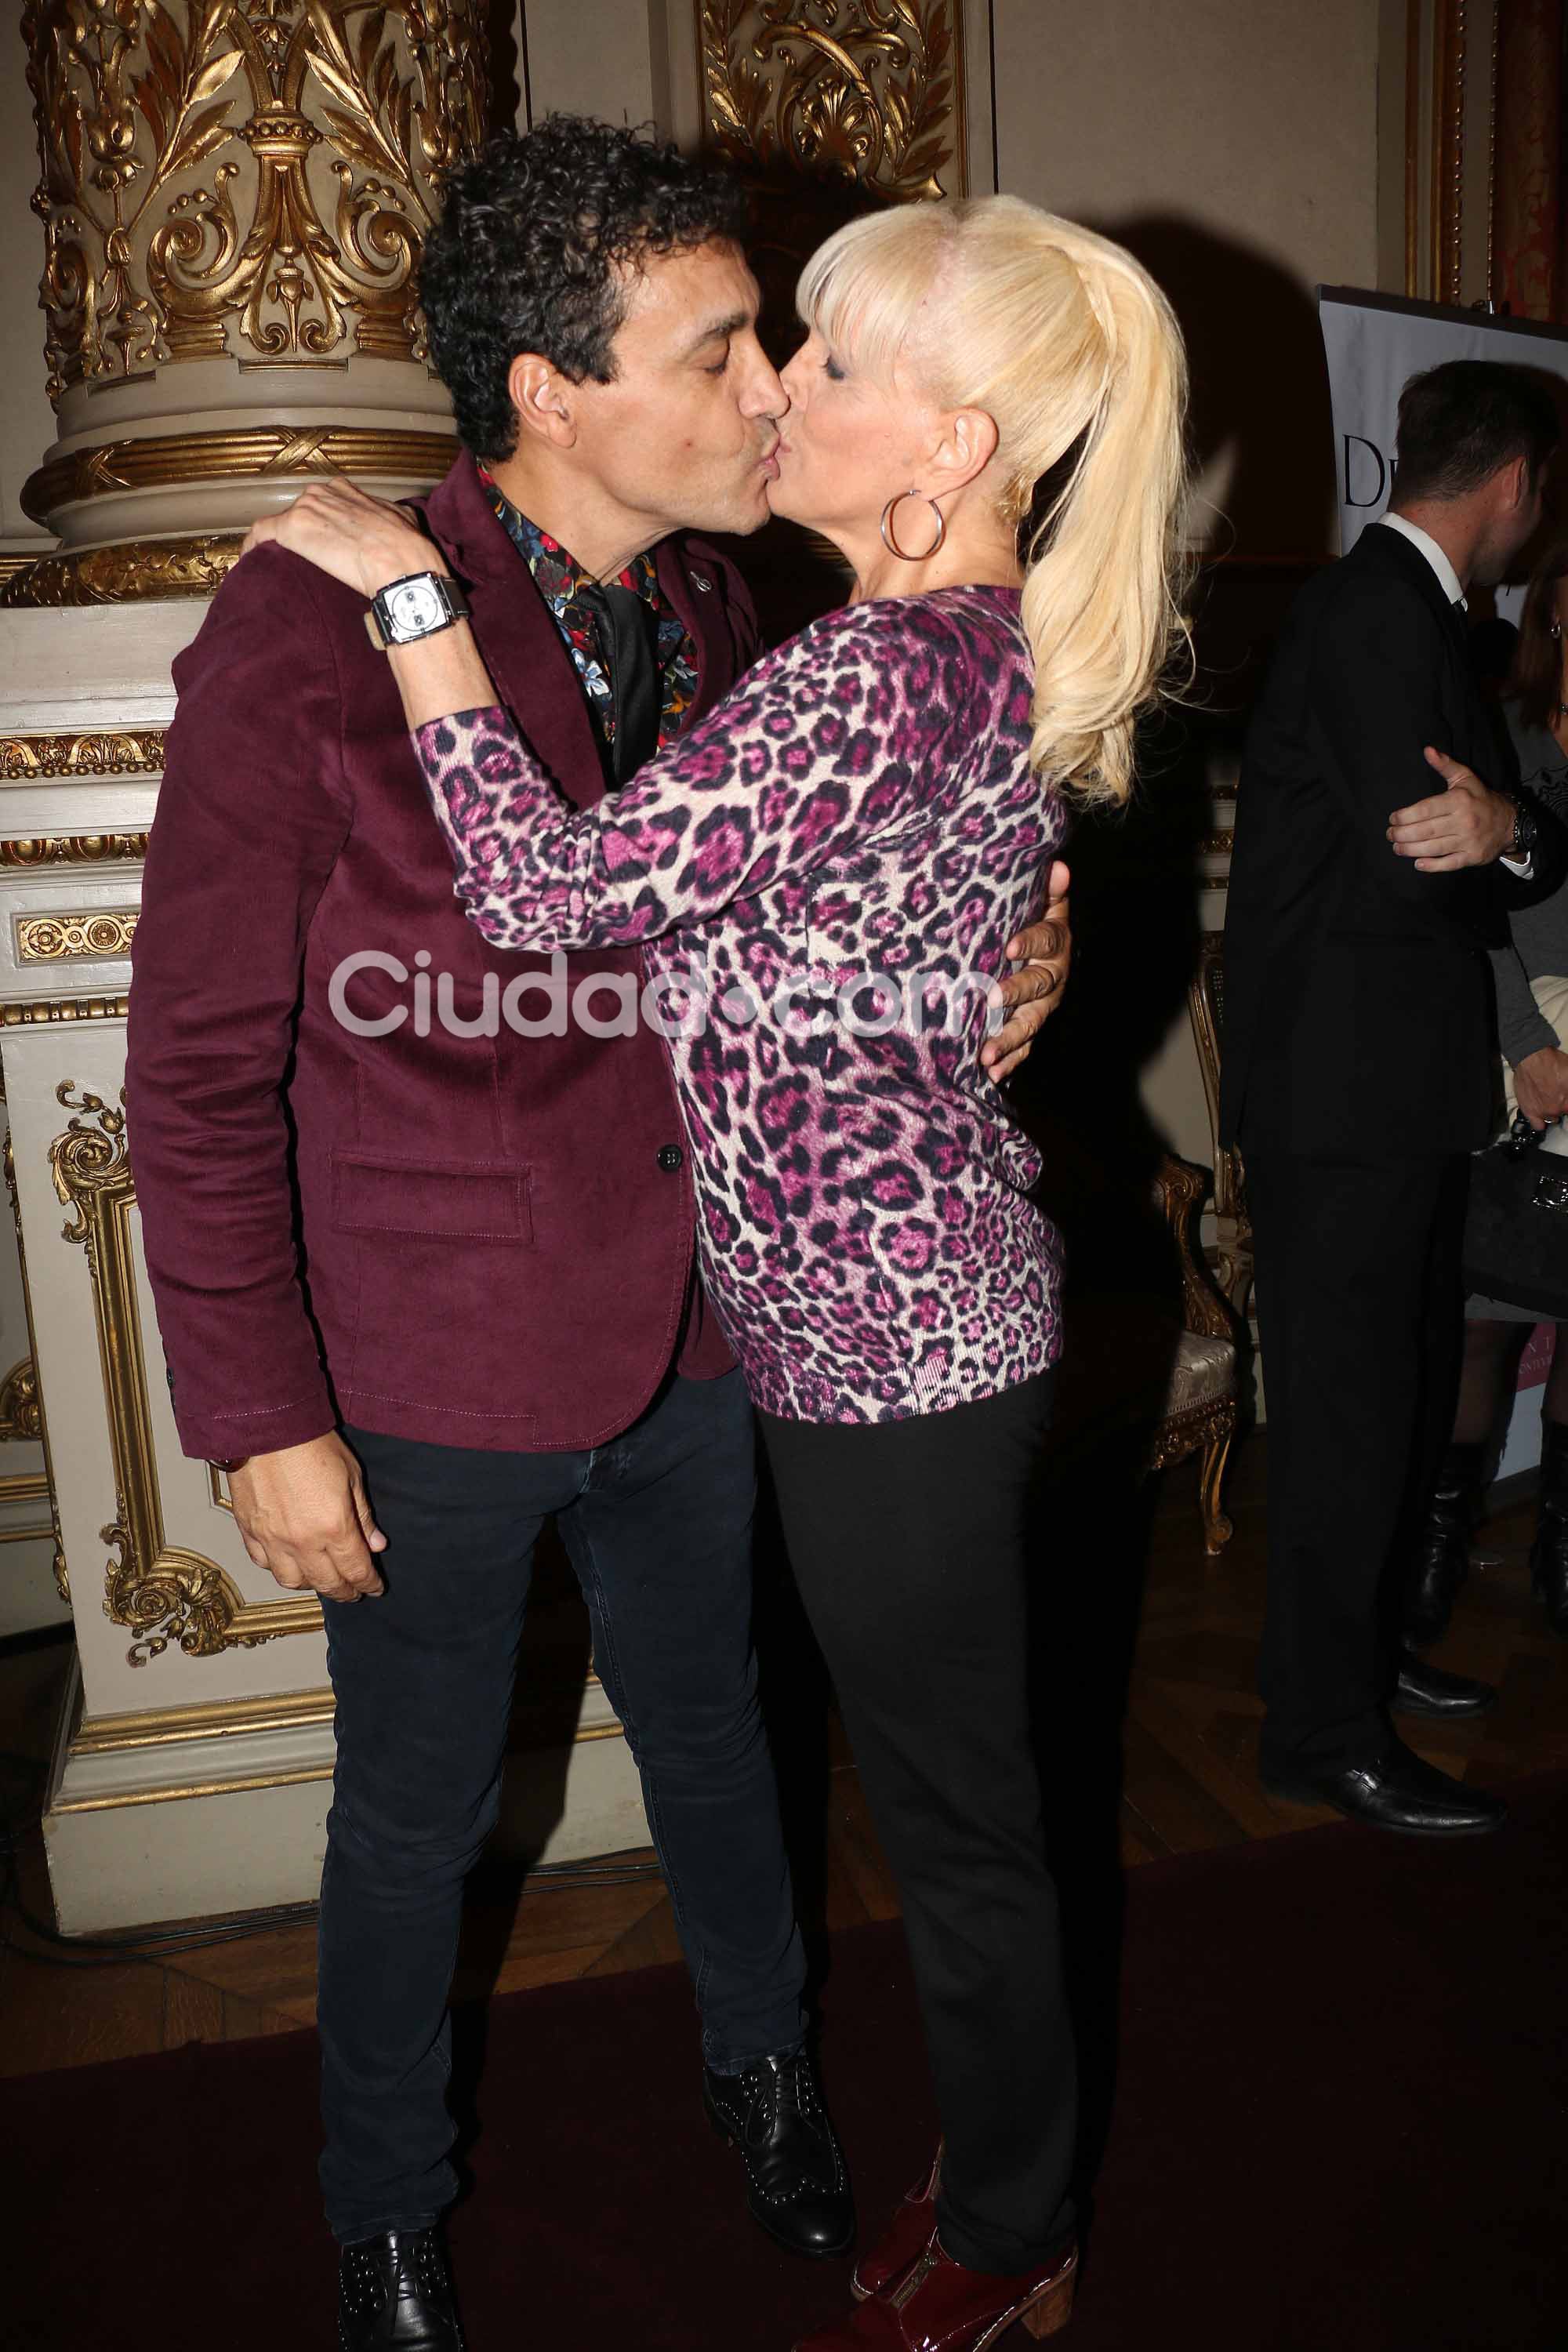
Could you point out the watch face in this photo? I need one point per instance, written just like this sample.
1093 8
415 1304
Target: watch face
413 606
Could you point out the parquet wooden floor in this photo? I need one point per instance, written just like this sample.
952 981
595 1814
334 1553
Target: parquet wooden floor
1188 1783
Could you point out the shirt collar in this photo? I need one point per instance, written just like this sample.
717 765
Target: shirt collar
567 578
1447 577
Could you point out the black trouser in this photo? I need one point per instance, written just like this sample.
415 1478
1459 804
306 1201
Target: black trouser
1359 1316
657 1524
908 1540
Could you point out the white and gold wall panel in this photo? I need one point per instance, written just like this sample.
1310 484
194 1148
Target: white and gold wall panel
148 1530
193 1770
30 1595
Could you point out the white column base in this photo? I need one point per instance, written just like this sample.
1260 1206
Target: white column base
234 1819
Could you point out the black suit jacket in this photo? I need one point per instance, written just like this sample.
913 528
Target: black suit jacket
1358 1001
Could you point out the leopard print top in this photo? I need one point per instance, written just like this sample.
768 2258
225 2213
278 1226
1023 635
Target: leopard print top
839 845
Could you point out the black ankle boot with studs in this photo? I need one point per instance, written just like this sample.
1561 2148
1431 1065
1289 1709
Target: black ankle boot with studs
395 2290
1443 1554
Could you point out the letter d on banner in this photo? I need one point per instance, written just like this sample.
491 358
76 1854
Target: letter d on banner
1365 470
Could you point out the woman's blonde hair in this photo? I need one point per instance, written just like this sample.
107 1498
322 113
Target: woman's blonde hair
1068 343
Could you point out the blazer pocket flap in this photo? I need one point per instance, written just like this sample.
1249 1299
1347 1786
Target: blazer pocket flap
477 1201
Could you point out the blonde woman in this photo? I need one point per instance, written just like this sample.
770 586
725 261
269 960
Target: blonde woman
985 417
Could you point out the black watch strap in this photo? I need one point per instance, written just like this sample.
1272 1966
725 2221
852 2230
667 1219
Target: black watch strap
1526 830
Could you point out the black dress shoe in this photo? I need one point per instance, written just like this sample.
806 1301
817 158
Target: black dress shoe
1396 1791
797 2184
395 2290
1428 1690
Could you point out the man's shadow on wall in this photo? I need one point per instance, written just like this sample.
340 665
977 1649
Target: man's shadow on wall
1259 415
1258 378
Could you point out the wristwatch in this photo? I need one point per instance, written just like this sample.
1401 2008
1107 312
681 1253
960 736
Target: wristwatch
1526 832
412 607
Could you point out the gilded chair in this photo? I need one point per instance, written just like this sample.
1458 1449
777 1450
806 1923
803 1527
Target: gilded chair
1150 1371
1206 1001
1200 1404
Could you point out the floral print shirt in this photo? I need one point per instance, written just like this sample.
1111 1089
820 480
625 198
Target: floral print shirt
843 847
560 580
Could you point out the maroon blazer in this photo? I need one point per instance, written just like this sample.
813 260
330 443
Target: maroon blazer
468 1240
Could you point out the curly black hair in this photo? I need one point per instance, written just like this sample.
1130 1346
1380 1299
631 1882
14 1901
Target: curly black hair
523 257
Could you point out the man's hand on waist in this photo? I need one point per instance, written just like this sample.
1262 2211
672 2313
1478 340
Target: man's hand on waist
1031 993
1466 825
304 1516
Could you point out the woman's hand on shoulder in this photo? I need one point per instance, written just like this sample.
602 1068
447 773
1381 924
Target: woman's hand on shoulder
363 542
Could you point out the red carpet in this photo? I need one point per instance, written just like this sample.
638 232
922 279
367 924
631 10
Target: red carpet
1339 2127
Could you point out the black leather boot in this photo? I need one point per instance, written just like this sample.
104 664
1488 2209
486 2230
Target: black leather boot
1443 1553
1425 1689
797 2184
1549 1552
395 2290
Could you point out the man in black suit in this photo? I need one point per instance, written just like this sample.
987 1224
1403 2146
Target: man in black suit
1358 1071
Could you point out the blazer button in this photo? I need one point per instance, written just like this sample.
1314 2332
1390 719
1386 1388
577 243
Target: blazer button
670 1156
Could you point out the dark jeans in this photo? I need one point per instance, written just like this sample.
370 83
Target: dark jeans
658 1525
1360 1317
906 1538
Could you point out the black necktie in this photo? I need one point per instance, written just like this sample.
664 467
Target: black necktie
627 629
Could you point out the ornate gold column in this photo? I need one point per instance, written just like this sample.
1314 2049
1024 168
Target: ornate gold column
234 195
873 94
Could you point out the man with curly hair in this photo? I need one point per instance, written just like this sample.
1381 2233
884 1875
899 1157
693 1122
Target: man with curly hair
422 1286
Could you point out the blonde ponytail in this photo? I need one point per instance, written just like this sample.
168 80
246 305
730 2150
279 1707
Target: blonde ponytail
1065 341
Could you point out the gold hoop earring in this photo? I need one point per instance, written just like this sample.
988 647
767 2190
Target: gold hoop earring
891 544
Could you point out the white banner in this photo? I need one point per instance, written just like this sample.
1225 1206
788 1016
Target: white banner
1374 344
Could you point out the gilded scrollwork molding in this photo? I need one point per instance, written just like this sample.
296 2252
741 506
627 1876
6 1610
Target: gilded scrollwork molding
19 1415
1450 44
23 758
73 849
98 932
62 1577
872 93
62 1573
25 1486
163 1593
64 1008
123 573
162 461
159 1727
254 174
